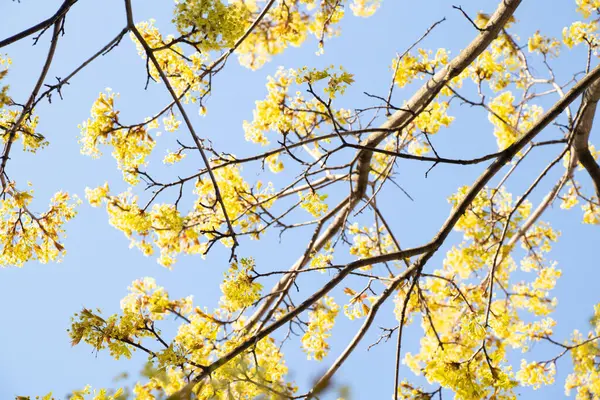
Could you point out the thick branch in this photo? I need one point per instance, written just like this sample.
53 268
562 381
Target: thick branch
581 134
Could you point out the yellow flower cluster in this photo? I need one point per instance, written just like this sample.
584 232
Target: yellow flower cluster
146 298
468 380
411 307
4 64
32 141
183 72
199 340
320 323
499 66
581 32
336 82
284 25
117 333
239 289
242 202
274 163
453 304
314 203
322 259
285 114
503 118
357 306
535 374
25 236
171 123
410 67
433 118
585 351
429 121
45 397
489 67
250 374
587 7
95 196
569 199
289 23
198 337
503 46
172 158
271 114
364 8
87 393
510 121
591 214
325 20
369 242
164 227
161 382
131 146
145 304
407 391
163 221
214 25
543 45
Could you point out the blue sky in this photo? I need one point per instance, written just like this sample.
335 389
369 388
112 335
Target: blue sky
39 299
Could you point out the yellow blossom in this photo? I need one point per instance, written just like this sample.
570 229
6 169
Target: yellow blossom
591 214
314 203
172 158
364 8
239 289
535 374
581 32
587 7
321 320
95 196
543 45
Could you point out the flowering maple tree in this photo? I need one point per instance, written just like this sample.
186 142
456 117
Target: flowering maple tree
474 307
